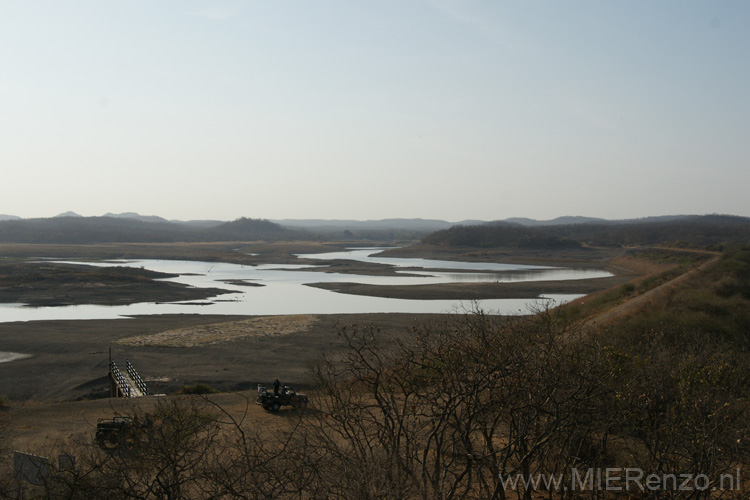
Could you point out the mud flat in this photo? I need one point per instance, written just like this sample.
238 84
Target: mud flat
68 360
44 283
475 291
583 257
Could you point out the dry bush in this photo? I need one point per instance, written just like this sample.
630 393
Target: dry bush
450 411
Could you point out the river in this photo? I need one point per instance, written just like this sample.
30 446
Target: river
284 289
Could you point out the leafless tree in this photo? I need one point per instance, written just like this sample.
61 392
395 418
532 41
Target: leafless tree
457 406
449 410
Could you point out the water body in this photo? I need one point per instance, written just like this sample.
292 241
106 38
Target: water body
6 357
502 273
284 290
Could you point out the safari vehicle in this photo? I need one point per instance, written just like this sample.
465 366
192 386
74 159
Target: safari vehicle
118 432
285 397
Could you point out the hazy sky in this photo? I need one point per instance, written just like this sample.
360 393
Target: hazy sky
448 109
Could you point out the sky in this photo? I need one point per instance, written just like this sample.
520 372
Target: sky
341 109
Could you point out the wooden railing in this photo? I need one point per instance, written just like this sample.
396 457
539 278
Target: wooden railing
129 384
139 383
120 380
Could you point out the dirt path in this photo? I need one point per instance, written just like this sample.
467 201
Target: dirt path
636 304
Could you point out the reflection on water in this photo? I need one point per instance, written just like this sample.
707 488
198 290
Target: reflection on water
285 291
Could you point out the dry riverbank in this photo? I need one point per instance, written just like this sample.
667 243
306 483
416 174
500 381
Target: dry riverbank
68 359
476 291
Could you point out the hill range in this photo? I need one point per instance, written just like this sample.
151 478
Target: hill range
70 228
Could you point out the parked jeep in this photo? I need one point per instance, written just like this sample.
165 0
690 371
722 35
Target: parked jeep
285 397
119 432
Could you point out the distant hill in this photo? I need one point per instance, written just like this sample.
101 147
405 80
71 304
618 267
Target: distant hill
156 218
470 222
133 215
426 225
559 221
200 223
503 234
562 232
85 230
431 225
568 220
703 231
243 228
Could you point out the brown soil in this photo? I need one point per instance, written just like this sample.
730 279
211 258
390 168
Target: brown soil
476 291
215 333
69 359
52 284
47 428
48 394
575 257
45 283
211 252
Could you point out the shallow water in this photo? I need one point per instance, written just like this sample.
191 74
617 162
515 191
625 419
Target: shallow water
284 290
6 357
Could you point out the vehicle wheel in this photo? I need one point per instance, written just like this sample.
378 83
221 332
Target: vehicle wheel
109 442
275 407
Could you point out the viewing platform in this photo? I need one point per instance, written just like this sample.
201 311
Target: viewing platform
126 384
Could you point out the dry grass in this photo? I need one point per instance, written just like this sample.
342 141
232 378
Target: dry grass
194 336
635 265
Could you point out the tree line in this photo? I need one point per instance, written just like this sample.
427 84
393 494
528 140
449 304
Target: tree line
89 230
697 231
